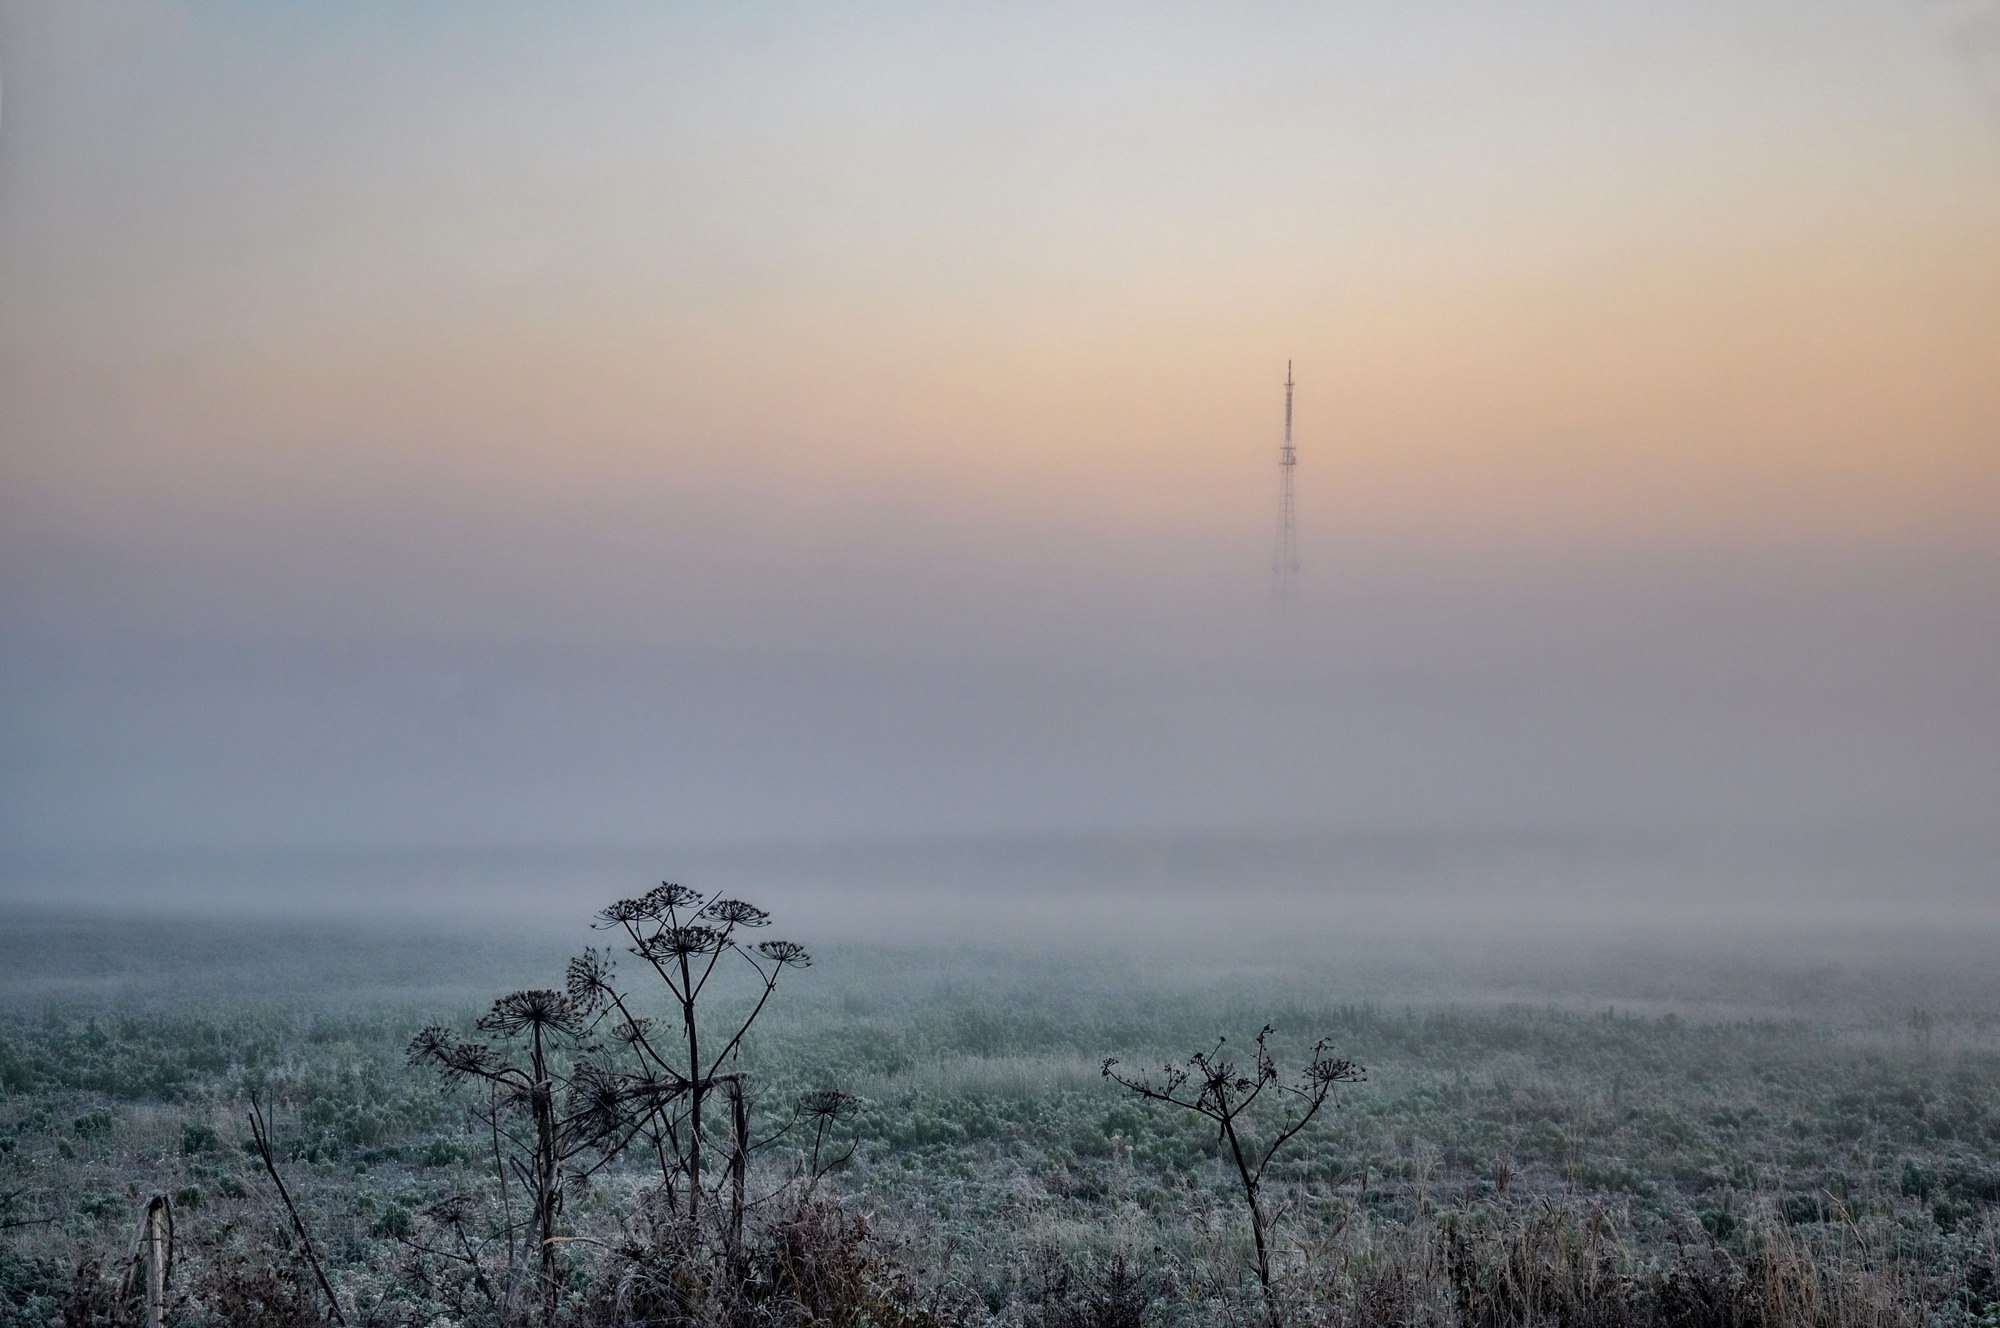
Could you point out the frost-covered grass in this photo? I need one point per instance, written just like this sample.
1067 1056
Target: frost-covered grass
1597 1125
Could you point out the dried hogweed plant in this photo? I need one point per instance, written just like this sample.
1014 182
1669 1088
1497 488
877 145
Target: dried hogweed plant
1210 1084
687 940
540 1073
591 1077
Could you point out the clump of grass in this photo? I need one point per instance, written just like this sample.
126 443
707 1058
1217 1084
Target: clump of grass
808 1260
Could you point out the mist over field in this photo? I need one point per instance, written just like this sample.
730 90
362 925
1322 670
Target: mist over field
649 673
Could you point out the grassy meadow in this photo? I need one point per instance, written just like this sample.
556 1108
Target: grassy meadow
1664 1129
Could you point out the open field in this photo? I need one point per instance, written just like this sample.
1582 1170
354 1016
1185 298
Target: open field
1296 665
1545 1134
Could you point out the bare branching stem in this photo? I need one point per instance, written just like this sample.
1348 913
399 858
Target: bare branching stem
1210 1085
260 1134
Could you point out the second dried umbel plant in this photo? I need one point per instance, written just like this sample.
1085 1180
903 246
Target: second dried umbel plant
1225 1091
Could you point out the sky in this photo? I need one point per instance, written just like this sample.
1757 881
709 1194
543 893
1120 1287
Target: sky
508 423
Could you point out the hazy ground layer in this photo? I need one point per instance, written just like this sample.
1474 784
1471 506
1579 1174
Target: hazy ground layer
1843 1082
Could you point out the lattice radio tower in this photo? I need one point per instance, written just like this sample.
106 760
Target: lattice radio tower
1285 557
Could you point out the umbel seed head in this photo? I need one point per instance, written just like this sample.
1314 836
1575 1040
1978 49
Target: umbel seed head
828 1104
681 942
788 954
519 1011
589 980
737 913
656 905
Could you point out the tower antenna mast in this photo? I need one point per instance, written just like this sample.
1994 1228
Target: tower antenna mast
1285 558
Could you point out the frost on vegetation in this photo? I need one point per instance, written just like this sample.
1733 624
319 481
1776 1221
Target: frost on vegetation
944 1150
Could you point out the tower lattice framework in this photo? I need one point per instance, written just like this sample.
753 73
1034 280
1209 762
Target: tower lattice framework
1285 557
